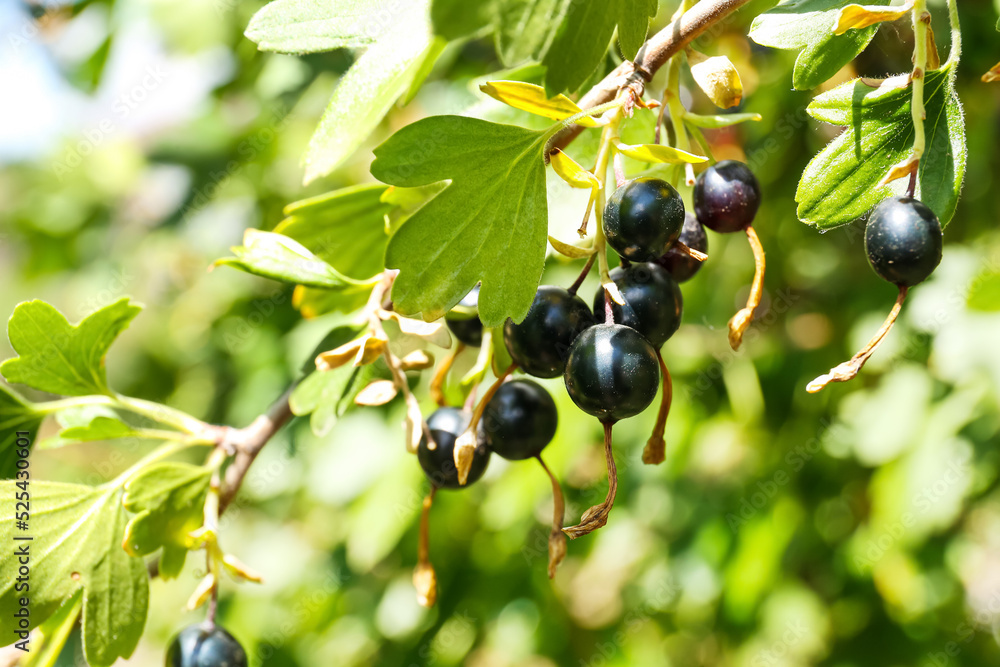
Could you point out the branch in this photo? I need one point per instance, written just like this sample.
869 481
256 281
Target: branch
248 442
651 57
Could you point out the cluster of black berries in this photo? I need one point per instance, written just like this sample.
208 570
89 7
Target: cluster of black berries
903 240
205 645
608 355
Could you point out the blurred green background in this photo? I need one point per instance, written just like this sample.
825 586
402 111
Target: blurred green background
856 527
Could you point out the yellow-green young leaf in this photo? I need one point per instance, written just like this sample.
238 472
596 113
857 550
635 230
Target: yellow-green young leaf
570 250
807 26
854 17
100 428
168 501
18 418
58 357
488 225
279 257
51 635
841 184
659 153
720 120
531 98
345 228
567 169
368 90
76 544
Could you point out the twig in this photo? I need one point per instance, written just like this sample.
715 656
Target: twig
651 57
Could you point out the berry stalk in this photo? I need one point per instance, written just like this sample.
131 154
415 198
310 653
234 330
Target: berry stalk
597 516
557 539
849 369
424 577
741 320
656 447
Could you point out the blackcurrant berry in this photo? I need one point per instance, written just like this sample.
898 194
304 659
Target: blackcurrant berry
726 197
520 420
204 645
467 327
653 301
680 265
438 461
540 343
643 218
612 372
903 240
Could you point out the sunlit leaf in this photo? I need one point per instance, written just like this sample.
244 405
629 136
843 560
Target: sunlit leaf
488 225
807 26
77 544
61 358
660 153
720 120
531 98
842 183
279 257
168 500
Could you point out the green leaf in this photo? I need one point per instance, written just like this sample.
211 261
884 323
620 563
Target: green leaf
840 184
52 634
720 120
76 544
808 25
168 500
101 428
582 39
72 417
345 228
279 257
501 356
525 28
984 293
16 415
58 357
320 393
369 89
453 19
308 26
313 302
488 225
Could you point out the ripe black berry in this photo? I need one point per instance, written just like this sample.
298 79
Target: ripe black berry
726 197
540 343
643 218
520 420
467 327
680 265
612 372
903 240
204 645
438 462
653 301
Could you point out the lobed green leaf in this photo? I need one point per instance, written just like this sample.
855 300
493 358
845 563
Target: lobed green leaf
488 225
58 357
76 543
